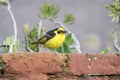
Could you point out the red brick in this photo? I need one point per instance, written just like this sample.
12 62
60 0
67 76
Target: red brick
28 77
25 64
84 64
40 66
100 78
4 79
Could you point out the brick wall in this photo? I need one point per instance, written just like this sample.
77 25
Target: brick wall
52 66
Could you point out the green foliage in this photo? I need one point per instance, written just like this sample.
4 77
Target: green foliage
69 40
69 19
9 41
114 11
2 66
3 2
25 29
65 48
32 36
105 50
48 11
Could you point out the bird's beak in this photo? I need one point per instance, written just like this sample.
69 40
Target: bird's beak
64 31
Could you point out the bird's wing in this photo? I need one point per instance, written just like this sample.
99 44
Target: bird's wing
45 38
50 34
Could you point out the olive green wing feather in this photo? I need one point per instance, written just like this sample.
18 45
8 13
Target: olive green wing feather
45 38
50 34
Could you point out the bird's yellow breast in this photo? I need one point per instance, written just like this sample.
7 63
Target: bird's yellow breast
55 42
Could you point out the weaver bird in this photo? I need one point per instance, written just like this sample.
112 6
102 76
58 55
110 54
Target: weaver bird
53 38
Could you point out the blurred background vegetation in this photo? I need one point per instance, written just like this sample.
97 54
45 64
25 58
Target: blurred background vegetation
92 25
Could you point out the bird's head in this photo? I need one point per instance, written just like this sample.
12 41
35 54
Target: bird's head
60 31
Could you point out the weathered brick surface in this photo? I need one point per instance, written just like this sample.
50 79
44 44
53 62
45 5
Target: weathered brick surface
83 64
25 64
99 78
48 66
28 77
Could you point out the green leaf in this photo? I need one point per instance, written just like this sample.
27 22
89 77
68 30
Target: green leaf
33 34
9 41
114 11
69 39
69 19
113 8
32 37
48 11
105 50
64 49
25 29
111 14
3 2
116 4
110 8
16 47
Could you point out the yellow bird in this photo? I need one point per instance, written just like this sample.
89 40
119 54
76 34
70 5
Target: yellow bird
53 38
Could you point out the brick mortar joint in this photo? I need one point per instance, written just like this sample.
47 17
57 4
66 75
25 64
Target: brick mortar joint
65 64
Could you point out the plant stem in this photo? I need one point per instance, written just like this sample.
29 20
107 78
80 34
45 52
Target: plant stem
38 34
116 36
77 44
27 46
14 26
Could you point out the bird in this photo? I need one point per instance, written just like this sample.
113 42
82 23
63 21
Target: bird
53 38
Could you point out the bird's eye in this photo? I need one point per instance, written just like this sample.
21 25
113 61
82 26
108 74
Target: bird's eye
59 31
